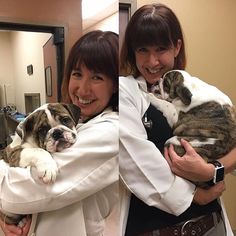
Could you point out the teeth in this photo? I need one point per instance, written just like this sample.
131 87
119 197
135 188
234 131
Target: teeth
153 71
83 101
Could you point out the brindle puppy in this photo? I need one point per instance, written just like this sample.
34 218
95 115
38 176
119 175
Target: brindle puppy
49 129
197 112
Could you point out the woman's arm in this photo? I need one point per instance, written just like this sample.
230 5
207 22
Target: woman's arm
192 166
85 168
205 196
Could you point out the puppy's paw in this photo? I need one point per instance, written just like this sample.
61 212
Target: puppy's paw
168 109
47 171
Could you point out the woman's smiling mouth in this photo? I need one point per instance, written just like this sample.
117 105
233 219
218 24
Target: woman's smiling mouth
84 101
153 71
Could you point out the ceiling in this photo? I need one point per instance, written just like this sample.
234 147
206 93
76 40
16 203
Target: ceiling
94 11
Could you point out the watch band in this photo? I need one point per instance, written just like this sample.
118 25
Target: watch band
216 163
218 174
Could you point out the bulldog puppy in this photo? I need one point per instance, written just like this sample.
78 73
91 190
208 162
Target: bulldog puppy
48 129
198 112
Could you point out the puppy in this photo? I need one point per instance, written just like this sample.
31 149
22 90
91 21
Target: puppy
197 112
50 128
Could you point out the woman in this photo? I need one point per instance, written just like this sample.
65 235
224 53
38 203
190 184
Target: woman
85 191
159 202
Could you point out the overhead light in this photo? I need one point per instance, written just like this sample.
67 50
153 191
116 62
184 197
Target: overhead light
91 8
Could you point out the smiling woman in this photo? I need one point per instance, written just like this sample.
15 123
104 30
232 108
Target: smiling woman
86 187
87 76
153 45
87 90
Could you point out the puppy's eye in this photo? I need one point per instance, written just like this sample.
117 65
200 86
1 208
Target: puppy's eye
66 120
42 131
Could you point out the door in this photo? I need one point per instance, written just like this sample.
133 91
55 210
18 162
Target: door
51 73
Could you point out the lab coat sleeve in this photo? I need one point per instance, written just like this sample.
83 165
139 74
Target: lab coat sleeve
143 168
88 166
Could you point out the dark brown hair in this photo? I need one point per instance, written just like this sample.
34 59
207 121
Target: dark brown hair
99 52
151 25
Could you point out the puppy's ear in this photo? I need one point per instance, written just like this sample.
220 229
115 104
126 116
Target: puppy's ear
177 88
25 126
184 94
73 110
20 129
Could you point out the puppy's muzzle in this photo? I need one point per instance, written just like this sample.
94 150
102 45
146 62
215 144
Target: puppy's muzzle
57 134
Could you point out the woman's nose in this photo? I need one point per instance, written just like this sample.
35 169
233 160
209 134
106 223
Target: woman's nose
153 59
84 87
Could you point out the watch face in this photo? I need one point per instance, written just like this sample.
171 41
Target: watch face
219 174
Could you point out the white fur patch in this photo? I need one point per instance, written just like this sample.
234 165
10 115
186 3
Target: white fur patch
42 160
202 92
167 108
194 143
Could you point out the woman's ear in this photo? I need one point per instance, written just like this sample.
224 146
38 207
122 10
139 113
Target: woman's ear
177 47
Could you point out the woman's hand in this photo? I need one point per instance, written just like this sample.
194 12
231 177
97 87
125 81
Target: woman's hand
13 230
205 196
190 166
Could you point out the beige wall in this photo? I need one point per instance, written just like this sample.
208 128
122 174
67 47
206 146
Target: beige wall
65 13
22 46
210 36
16 54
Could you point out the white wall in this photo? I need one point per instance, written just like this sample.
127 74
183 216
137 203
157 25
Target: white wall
22 49
110 23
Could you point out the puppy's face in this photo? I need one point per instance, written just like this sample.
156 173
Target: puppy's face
172 87
51 127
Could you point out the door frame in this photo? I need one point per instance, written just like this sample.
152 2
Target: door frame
58 36
131 5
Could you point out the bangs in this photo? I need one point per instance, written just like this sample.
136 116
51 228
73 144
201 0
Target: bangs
95 57
151 31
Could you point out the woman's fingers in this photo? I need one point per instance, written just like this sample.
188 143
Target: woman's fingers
26 227
10 230
188 148
190 166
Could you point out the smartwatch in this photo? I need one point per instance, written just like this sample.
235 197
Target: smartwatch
219 173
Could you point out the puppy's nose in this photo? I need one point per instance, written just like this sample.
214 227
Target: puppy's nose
57 134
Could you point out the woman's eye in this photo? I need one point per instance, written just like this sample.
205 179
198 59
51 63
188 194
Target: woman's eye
142 50
76 73
161 49
97 77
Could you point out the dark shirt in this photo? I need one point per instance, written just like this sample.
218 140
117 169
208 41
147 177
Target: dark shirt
143 218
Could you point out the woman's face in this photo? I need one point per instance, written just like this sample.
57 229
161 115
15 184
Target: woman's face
153 61
90 91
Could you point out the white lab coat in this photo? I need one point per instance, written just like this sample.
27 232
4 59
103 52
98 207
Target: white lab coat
143 169
85 190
